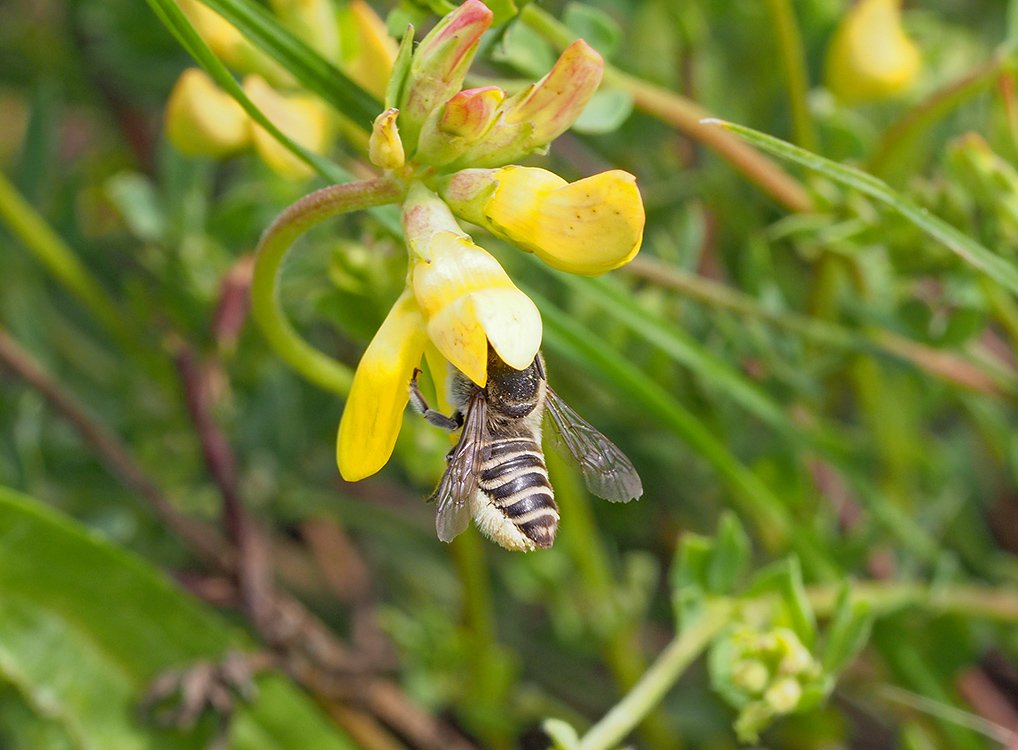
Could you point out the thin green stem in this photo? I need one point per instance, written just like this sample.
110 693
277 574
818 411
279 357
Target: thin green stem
973 602
656 681
585 546
793 60
25 223
266 306
686 116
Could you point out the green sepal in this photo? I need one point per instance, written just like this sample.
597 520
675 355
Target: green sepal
400 69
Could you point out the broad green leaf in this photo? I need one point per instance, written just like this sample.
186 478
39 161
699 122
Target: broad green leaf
975 254
85 627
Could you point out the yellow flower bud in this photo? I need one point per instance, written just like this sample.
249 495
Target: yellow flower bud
385 150
301 117
870 56
587 227
378 397
202 120
784 695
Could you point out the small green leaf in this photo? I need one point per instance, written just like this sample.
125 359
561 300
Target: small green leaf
400 69
605 112
688 578
595 27
730 556
502 11
562 735
525 50
848 631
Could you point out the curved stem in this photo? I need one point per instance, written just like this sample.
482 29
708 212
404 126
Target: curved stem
686 115
656 681
266 307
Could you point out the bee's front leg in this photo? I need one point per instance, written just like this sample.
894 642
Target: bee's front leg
437 418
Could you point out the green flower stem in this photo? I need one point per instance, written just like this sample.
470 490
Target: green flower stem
584 544
656 681
972 602
266 307
686 116
793 60
27 225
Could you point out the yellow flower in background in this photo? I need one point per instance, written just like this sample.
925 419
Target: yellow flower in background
202 120
303 118
871 57
198 120
459 299
587 227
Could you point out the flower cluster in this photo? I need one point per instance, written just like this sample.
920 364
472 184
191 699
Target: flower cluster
451 151
203 120
766 674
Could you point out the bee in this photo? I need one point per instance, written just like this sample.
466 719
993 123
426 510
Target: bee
496 472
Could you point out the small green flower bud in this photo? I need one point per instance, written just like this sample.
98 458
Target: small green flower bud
462 121
784 695
752 676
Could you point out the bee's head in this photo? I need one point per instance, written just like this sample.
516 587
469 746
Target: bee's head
514 392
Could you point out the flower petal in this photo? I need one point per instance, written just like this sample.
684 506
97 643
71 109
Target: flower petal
374 412
512 323
588 227
460 338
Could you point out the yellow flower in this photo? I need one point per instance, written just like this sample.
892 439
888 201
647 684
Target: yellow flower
459 299
378 397
368 50
586 227
870 56
202 120
302 117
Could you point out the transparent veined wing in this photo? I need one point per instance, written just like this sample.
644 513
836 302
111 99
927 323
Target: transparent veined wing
607 471
459 483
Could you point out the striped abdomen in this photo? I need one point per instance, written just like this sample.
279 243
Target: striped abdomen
514 481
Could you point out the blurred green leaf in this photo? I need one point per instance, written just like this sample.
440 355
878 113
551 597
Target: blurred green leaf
605 112
970 251
85 627
595 27
848 631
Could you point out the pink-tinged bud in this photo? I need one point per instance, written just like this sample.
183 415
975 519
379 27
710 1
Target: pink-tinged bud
542 112
464 119
440 64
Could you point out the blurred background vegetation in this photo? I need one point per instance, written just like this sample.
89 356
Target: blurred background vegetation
786 346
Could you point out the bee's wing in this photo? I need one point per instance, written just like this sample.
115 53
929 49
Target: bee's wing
459 483
607 471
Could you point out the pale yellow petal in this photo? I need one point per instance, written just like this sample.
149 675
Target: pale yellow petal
368 50
374 412
512 323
